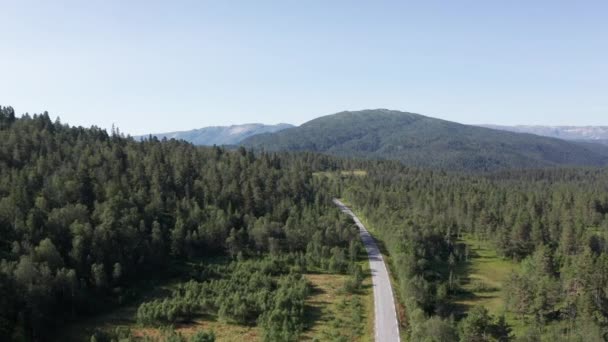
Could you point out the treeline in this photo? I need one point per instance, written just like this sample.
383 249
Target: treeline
555 222
85 214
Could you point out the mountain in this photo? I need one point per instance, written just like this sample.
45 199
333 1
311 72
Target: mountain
596 134
221 135
423 141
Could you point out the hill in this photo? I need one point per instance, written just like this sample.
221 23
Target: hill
220 135
423 141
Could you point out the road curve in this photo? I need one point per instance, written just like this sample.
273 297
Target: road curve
386 326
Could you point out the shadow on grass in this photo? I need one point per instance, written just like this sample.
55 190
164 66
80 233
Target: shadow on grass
470 291
313 310
315 291
312 314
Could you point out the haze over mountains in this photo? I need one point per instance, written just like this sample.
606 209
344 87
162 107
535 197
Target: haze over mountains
597 134
427 142
221 135
418 140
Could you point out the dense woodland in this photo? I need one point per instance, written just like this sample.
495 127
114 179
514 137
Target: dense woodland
553 222
86 216
425 142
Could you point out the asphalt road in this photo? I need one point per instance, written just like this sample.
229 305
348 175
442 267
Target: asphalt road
386 327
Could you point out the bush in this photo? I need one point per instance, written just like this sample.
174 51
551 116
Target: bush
203 336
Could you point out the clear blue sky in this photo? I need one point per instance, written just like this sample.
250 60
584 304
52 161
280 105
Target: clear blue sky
161 66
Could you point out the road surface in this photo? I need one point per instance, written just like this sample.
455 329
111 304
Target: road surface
386 327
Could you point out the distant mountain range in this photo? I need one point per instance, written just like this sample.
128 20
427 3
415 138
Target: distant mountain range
422 141
417 140
598 134
220 135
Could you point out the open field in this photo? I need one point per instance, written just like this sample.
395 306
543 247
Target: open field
358 173
482 277
338 316
343 173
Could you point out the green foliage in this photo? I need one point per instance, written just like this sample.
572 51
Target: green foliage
434 329
353 283
283 321
549 220
172 336
421 141
85 214
480 326
202 336
118 334
248 292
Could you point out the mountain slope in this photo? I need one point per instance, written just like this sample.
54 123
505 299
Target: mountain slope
422 141
221 135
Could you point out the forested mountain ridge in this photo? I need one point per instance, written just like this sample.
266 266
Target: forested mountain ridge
421 141
220 135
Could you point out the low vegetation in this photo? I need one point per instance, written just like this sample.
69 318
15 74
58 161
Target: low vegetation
480 277
339 311
330 309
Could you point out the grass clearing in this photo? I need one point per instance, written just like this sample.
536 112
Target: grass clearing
357 173
482 277
223 331
342 173
487 268
335 315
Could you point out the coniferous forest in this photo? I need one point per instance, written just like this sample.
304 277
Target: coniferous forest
89 218
85 216
551 225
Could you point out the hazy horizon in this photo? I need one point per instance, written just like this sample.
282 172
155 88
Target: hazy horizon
482 124
151 67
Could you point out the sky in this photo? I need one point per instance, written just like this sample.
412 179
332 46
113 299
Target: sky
151 66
